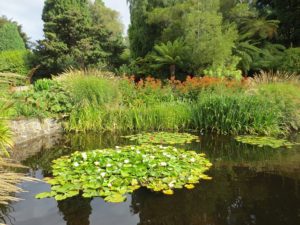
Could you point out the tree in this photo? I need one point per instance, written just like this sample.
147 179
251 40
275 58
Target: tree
11 35
172 54
75 37
142 35
201 26
106 19
10 38
287 12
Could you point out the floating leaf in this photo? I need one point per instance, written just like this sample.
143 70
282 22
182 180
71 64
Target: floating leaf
264 141
112 173
189 186
43 195
163 138
115 198
168 192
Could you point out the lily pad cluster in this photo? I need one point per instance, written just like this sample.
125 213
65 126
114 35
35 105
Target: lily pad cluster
265 141
112 173
163 138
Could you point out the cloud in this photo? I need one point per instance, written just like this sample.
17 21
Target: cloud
28 13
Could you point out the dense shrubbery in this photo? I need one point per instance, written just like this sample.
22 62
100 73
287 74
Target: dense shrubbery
101 103
290 60
17 61
121 104
46 98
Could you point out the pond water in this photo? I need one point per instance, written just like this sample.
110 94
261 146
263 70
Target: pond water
250 185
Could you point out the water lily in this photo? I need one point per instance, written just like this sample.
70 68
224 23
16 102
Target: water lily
163 164
102 174
126 177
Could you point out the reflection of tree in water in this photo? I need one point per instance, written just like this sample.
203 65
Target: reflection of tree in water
76 210
237 198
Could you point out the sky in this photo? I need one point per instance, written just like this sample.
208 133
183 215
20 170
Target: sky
28 13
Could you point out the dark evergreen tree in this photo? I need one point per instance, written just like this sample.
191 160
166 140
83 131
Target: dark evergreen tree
74 38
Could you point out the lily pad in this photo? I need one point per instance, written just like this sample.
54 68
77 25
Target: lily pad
163 138
264 141
112 173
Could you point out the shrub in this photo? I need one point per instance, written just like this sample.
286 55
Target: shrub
17 61
46 98
10 38
290 60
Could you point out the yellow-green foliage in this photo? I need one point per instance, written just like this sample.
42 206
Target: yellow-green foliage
16 61
5 133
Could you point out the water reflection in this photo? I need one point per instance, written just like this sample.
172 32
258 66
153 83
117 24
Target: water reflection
240 197
76 210
250 185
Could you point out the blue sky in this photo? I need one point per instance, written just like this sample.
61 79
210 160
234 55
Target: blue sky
28 13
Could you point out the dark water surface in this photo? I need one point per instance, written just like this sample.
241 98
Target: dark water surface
250 185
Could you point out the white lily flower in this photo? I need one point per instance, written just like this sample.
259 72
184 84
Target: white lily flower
108 165
126 161
109 185
76 164
163 164
102 174
97 163
171 185
84 155
192 160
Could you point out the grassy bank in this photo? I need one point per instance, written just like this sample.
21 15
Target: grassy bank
99 102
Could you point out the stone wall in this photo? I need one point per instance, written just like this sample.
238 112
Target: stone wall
25 130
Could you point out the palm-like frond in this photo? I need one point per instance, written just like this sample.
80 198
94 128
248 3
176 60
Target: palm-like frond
247 52
170 53
261 27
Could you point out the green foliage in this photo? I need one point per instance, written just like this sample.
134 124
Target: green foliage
5 132
290 60
264 141
17 61
199 24
112 173
172 54
46 98
12 79
76 36
236 112
163 138
92 90
10 38
228 72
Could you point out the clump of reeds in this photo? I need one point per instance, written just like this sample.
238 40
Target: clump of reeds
9 182
264 77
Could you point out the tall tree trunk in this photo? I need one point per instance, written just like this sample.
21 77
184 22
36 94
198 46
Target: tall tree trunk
172 70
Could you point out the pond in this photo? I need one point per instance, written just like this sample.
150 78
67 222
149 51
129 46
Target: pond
250 185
